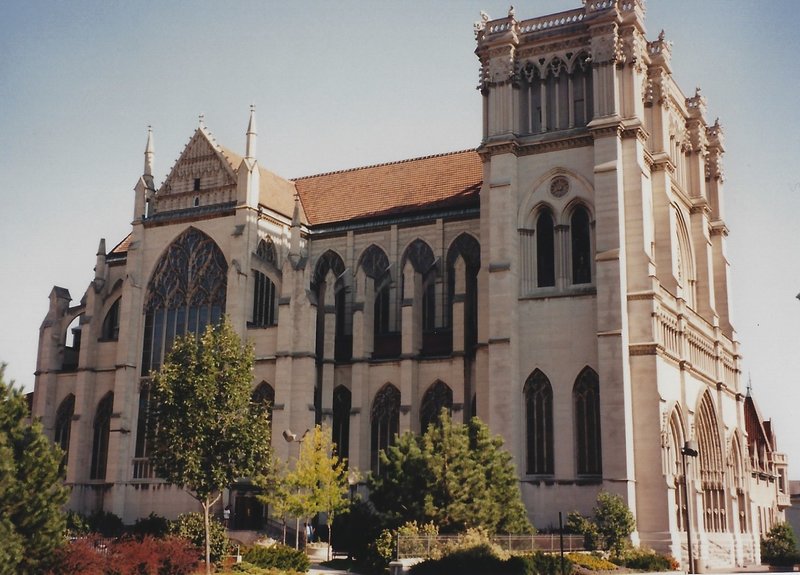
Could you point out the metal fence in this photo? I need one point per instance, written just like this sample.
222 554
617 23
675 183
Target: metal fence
426 545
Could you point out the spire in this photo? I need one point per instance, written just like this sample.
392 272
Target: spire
100 266
149 153
294 231
251 134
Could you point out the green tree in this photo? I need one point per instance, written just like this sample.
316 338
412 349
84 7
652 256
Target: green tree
779 547
614 522
458 476
32 521
318 482
208 433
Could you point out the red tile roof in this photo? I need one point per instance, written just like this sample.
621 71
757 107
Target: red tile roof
441 181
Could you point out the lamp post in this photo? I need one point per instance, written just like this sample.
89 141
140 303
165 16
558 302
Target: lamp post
291 438
689 449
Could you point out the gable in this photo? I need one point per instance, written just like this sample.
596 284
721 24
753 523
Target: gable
202 176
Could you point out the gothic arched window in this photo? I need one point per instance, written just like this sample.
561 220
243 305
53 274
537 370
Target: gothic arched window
468 248
712 466
539 423
385 422
545 250
386 335
264 297
586 399
64 424
110 331
101 431
186 293
264 396
580 233
439 396
342 403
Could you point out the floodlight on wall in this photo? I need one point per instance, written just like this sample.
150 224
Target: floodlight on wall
289 436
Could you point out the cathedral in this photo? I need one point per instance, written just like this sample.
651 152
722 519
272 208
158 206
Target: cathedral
566 281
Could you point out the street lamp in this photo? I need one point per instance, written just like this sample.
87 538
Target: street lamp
291 438
689 449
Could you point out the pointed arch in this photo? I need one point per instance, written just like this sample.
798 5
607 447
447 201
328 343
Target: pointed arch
538 396
437 397
101 428
468 249
712 464
385 330
738 482
385 422
110 329
267 252
331 264
586 403
63 427
264 396
685 263
675 438
186 292
580 231
342 404
545 248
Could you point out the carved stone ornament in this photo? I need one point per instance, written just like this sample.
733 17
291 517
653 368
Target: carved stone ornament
559 186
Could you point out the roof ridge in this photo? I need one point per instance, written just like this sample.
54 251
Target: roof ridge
380 165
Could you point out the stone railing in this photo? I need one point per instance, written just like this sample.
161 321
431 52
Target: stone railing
143 469
685 336
551 21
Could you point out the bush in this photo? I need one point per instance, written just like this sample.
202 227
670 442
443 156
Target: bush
79 557
591 562
150 556
779 547
646 560
77 525
357 530
277 557
250 569
580 525
547 564
106 523
478 560
191 526
153 525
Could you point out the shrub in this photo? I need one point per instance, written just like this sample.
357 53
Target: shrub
357 530
479 560
580 525
191 526
591 562
779 547
79 557
151 556
646 560
106 523
77 525
153 525
250 569
547 564
277 557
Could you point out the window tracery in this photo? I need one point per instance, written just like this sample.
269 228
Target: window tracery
63 427
186 293
385 422
101 431
438 396
586 398
538 394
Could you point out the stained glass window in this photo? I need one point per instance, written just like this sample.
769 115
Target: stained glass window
186 293
586 398
539 423
385 421
438 396
101 431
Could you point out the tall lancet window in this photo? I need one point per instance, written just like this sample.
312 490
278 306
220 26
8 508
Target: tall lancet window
186 293
342 404
581 236
539 423
586 398
545 250
439 396
385 422
100 435
64 425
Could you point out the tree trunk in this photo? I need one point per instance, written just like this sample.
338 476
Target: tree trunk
330 537
206 506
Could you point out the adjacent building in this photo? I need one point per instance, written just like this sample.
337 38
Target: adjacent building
566 281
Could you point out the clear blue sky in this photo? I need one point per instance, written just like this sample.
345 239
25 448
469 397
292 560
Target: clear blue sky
343 84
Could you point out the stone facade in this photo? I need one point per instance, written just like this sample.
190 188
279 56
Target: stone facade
567 282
